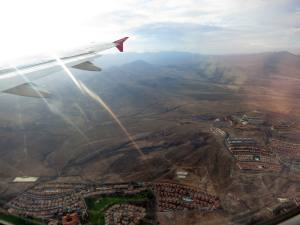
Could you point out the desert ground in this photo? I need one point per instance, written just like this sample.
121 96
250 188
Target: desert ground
167 105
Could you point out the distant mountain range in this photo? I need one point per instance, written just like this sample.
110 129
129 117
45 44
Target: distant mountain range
227 69
163 58
150 93
269 79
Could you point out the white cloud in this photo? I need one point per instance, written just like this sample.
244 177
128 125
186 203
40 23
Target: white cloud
253 25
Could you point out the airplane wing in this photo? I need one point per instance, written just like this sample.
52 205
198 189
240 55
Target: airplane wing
18 81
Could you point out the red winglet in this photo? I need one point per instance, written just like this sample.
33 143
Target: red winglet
119 43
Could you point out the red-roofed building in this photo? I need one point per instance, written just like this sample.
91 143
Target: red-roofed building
71 219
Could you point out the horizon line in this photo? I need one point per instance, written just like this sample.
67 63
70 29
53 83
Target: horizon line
215 54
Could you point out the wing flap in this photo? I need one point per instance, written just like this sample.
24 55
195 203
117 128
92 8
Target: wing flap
88 66
28 90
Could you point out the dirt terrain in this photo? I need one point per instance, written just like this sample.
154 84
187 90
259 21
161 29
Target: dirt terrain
167 107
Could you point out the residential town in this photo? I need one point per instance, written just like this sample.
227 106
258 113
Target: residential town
64 203
172 197
124 214
255 143
241 132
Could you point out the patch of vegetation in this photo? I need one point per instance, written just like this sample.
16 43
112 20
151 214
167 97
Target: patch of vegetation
97 206
18 220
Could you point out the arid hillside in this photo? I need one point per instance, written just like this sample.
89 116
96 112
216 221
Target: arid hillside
165 105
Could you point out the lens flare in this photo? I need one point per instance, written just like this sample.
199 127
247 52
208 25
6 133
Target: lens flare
21 125
113 115
83 114
86 91
68 72
52 107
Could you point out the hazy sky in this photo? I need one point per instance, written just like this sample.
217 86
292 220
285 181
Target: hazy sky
203 26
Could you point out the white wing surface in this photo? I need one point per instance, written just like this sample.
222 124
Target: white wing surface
18 81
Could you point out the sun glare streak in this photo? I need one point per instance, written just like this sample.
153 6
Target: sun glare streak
83 114
32 86
56 111
86 91
21 125
68 72
52 107
113 115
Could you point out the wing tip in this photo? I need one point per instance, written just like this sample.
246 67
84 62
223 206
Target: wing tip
119 43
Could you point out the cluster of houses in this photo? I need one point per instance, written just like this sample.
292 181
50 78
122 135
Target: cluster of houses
107 189
171 196
47 202
64 202
284 148
124 214
55 199
250 156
